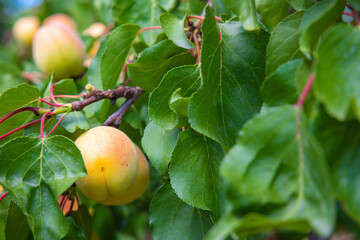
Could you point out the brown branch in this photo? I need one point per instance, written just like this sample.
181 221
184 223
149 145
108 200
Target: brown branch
116 118
97 95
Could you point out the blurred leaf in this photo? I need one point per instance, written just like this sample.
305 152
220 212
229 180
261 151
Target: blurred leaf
301 4
174 29
14 98
144 13
83 219
246 10
155 62
341 142
75 233
115 53
271 175
272 12
17 227
171 218
185 78
284 43
194 171
316 20
168 5
280 87
35 172
337 72
4 207
158 145
232 69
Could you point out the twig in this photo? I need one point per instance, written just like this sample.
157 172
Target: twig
96 95
116 118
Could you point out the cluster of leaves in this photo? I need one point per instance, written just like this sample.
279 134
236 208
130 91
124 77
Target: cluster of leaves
237 150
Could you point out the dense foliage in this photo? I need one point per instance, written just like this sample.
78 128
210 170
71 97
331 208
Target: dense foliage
249 119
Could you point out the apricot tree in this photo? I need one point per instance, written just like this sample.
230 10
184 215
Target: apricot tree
247 111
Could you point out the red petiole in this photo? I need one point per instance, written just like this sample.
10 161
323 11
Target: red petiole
32 109
51 104
306 90
3 196
19 128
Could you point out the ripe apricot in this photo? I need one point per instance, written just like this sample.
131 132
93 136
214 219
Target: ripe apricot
58 49
60 18
140 185
95 30
25 28
111 162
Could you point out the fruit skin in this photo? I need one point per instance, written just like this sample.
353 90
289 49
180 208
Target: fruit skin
111 162
56 48
140 185
95 30
60 18
25 28
1 189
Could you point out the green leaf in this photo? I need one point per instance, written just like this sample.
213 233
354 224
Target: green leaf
157 60
246 10
301 4
316 20
17 227
75 232
337 72
179 220
74 121
280 87
115 53
83 219
35 172
174 29
272 12
180 105
341 142
14 98
158 145
185 78
144 13
194 171
4 207
272 177
284 43
232 69
168 5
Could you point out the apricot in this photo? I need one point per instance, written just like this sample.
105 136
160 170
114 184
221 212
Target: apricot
62 19
58 49
111 162
140 185
25 28
95 30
